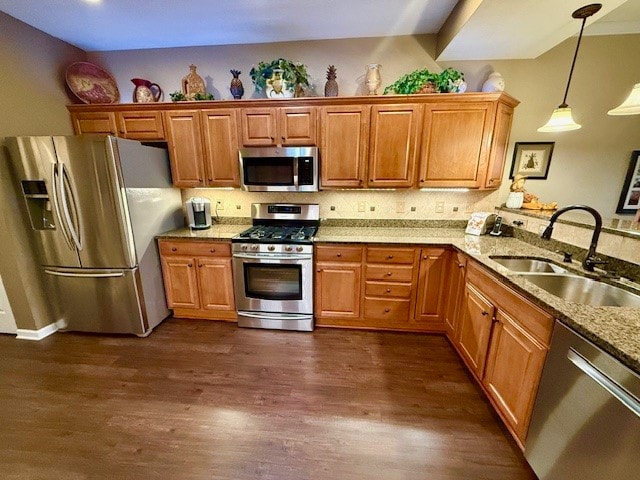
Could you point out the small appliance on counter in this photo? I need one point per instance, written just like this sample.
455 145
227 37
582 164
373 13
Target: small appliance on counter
198 213
480 223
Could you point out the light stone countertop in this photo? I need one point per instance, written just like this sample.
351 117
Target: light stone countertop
614 329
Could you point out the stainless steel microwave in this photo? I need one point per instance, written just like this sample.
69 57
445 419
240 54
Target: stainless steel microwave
279 169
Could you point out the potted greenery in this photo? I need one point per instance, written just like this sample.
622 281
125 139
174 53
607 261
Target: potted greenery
424 81
295 74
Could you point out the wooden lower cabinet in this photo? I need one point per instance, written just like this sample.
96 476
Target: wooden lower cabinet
432 283
455 290
503 338
198 279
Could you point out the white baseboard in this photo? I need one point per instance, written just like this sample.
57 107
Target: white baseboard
24 334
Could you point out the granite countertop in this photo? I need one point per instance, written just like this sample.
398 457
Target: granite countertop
614 329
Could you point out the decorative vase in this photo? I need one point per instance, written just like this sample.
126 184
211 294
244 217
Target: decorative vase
236 88
145 91
372 78
495 83
515 200
331 87
192 84
277 86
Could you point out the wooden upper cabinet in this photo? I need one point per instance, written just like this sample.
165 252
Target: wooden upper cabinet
286 126
185 147
220 137
344 146
141 125
393 145
456 140
94 123
499 143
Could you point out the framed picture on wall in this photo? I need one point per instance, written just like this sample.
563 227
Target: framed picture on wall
531 159
630 196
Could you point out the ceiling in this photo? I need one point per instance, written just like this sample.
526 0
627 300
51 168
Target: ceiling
468 29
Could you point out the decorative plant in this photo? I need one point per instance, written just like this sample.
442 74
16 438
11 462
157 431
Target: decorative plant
293 73
424 81
181 97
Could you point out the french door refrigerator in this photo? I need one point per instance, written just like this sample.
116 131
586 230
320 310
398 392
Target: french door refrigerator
93 205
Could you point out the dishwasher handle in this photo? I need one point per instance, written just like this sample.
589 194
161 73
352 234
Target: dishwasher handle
614 388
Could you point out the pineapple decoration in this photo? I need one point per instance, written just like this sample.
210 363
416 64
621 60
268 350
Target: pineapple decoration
331 87
236 88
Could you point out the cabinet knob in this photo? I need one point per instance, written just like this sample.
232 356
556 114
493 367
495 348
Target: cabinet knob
338 255
494 319
213 250
461 265
283 138
386 310
360 181
174 249
319 270
199 265
422 180
389 257
484 314
211 179
388 290
388 274
190 265
425 257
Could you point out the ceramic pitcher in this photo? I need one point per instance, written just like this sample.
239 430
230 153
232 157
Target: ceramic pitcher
145 91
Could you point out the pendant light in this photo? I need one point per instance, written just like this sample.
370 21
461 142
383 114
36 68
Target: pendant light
631 106
561 119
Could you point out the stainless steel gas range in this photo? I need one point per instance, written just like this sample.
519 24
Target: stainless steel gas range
273 267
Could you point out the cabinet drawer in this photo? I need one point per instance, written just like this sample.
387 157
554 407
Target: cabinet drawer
141 125
197 249
383 309
388 289
390 273
338 253
390 255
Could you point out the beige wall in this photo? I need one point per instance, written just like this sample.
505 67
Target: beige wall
32 100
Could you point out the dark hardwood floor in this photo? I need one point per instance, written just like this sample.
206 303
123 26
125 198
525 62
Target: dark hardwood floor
208 400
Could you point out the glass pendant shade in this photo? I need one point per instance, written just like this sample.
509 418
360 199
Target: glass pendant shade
631 106
561 121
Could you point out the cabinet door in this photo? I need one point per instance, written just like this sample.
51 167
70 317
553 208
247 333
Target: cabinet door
220 135
144 125
338 289
514 366
455 144
297 126
344 133
180 282
185 147
457 266
393 145
475 329
216 284
431 285
94 122
259 127
497 156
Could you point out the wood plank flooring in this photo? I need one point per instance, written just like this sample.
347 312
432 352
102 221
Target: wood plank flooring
208 400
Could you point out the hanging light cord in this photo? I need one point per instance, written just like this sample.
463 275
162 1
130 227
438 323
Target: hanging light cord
584 13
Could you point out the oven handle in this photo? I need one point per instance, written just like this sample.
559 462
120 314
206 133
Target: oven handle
266 258
275 316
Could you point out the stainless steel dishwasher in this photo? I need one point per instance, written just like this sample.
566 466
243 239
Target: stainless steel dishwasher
586 419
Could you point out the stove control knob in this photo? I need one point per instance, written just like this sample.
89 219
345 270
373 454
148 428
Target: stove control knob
271 248
288 248
244 247
299 248
254 247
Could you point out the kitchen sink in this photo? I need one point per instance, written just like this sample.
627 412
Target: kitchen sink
528 265
583 290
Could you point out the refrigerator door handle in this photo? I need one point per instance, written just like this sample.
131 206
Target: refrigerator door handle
86 275
56 206
64 177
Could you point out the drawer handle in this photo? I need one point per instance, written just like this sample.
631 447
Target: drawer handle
213 250
388 290
461 265
389 257
199 265
174 249
190 265
338 255
386 310
484 314
389 274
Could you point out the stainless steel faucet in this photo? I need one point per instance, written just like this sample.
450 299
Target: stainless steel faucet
591 260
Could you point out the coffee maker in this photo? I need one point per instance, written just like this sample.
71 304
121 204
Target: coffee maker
198 213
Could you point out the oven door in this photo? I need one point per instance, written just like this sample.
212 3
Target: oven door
273 283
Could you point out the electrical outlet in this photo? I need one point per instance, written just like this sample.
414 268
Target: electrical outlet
332 208
372 209
413 209
238 207
399 207
455 209
219 205
439 207
361 206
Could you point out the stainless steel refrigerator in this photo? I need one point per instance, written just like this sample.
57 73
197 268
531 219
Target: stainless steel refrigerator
93 205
